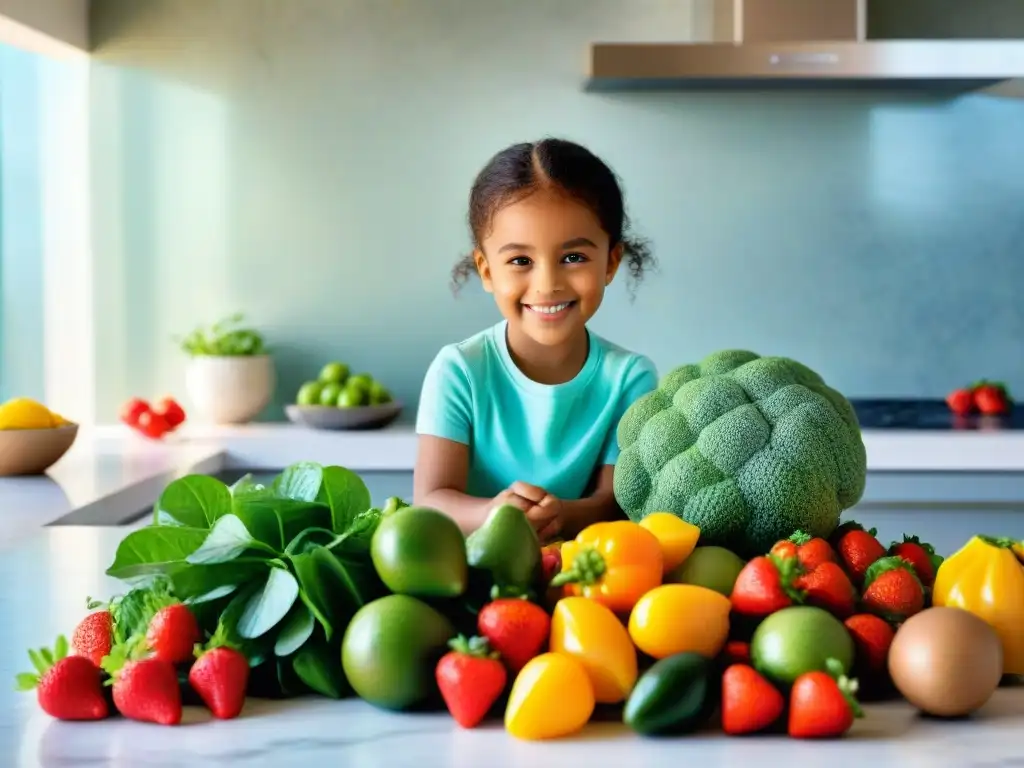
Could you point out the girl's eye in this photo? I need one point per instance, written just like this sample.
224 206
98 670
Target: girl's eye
575 258
520 261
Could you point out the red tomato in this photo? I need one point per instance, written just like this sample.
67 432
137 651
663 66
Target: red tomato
153 425
168 408
132 410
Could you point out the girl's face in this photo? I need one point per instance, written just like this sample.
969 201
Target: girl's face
546 259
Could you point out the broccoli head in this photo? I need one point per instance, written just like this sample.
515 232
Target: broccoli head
748 448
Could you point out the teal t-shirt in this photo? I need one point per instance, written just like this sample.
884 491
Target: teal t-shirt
552 436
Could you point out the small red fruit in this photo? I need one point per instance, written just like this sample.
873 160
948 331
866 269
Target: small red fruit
991 398
960 401
93 636
812 551
828 587
857 549
173 633
220 676
172 412
749 702
470 678
823 705
551 562
736 652
132 410
872 637
920 555
892 590
152 425
516 628
765 585
67 687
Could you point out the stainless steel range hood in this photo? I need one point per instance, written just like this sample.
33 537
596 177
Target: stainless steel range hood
961 44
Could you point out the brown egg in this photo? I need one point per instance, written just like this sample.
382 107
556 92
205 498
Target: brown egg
947 662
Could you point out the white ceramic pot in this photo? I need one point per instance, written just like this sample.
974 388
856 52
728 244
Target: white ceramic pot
229 390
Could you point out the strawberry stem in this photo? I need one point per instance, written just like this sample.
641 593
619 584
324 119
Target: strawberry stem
475 646
847 686
800 538
790 570
42 660
885 564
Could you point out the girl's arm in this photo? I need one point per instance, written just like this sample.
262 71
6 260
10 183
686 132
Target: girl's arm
597 507
439 481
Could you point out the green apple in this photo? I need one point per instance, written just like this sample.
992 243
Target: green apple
379 394
352 396
329 394
334 373
309 393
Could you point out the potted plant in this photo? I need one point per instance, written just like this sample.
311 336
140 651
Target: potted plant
230 376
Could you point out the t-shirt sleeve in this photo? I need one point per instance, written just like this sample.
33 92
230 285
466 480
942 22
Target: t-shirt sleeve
445 408
641 378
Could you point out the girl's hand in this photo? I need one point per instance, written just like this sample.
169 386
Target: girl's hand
545 511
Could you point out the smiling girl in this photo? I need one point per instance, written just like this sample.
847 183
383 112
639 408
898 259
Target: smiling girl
525 412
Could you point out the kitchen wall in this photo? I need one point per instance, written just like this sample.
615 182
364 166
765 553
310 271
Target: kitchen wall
21 232
309 162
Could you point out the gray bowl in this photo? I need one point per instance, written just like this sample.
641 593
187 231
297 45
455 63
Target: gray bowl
357 417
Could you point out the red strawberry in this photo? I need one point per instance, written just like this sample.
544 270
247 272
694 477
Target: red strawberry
892 590
811 551
920 555
516 628
828 587
765 585
749 702
872 637
960 401
145 687
220 675
736 652
857 549
991 398
132 410
470 678
784 548
93 636
823 705
67 687
173 633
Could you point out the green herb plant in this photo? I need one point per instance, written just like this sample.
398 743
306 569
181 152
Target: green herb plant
226 338
279 568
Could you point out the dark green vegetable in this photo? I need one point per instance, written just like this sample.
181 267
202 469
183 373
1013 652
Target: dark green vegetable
421 552
507 548
676 695
281 567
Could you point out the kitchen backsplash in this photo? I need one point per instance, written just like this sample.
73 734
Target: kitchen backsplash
309 162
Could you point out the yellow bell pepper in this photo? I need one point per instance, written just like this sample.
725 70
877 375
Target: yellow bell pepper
675 618
551 697
594 636
677 537
986 578
614 563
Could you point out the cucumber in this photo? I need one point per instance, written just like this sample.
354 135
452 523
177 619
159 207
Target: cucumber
675 696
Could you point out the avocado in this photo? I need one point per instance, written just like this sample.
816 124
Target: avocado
506 547
390 650
421 552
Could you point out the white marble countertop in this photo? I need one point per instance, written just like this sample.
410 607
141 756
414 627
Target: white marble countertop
112 468
43 585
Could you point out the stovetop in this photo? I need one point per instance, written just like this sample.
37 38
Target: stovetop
894 413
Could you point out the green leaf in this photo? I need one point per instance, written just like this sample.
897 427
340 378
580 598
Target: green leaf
298 516
228 539
311 591
300 481
153 550
246 485
203 582
195 501
345 493
319 667
359 534
268 606
309 539
259 515
296 630
25 681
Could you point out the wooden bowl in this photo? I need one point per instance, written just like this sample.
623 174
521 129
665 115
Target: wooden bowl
356 417
33 451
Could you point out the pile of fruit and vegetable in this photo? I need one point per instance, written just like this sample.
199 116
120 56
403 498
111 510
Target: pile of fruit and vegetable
732 598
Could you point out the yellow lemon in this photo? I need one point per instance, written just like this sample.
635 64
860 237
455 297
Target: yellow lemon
677 537
25 413
674 618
